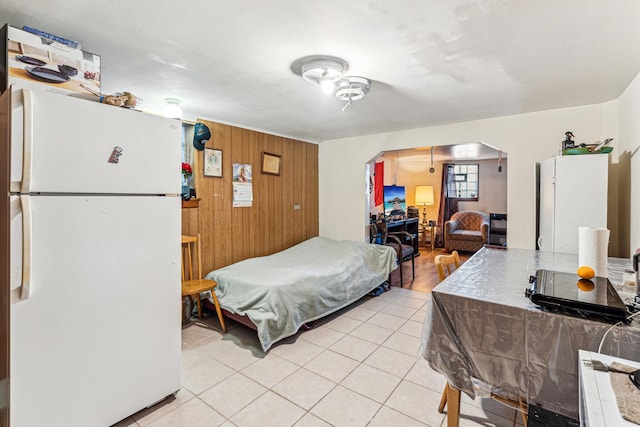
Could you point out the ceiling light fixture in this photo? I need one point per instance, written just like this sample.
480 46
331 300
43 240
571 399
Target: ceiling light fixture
352 88
323 70
172 109
329 73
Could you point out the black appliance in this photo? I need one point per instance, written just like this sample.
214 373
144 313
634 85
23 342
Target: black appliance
567 293
498 229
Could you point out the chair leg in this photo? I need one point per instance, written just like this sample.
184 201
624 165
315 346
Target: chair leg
401 280
451 395
453 401
443 399
519 405
524 411
197 298
413 268
220 317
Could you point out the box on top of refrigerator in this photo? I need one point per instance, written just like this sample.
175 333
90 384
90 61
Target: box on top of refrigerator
34 62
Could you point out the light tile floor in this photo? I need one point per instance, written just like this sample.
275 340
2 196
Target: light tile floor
358 367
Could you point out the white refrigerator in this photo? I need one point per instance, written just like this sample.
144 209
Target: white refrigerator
94 236
572 193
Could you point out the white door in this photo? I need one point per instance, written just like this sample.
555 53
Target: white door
63 144
99 336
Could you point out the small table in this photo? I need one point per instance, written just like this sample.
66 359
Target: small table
431 229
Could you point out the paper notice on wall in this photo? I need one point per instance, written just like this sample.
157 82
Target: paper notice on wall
242 186
242 195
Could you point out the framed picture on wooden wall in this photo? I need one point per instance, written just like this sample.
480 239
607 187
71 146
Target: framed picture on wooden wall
270 163
212 162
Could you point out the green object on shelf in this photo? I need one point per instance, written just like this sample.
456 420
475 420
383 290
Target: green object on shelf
585 150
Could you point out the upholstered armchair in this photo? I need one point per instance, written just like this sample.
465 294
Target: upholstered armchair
466 231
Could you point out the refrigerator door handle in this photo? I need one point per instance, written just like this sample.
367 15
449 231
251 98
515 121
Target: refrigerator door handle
25 202
27 147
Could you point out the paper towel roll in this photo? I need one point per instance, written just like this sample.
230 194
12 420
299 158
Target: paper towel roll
593 246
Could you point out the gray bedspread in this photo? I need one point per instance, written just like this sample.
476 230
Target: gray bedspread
282 291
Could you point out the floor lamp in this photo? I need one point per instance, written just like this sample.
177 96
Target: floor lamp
424 197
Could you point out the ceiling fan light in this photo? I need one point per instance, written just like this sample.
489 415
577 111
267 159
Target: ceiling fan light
323 70
353 88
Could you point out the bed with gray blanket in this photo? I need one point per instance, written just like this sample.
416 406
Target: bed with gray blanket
281 292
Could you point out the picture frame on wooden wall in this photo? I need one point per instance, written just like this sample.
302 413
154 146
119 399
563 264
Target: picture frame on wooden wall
271 163
213 162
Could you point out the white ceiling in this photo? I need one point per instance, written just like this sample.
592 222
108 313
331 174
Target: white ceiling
431 61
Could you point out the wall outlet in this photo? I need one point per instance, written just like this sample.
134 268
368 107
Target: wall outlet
296 207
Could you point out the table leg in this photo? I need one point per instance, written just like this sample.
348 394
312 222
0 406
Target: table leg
433 238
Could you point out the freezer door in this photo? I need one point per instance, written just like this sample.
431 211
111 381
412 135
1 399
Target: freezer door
62 144
99 337
581 198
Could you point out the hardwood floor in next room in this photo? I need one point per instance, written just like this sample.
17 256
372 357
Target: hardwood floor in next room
426 274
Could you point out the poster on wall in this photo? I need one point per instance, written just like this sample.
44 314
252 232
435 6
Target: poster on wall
212 162
242 186
395 203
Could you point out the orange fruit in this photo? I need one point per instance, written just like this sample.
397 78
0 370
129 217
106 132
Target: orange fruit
585 285
586 272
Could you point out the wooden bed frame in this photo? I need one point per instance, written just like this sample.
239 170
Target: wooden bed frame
229 315
240 319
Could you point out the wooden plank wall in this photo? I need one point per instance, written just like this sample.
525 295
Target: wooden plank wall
190 225
232 234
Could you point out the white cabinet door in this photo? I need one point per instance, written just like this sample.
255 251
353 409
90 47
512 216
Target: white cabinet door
64 145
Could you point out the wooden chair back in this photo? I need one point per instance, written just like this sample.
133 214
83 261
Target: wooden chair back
382 232
447 264
192 282
373 233
191 258
401 241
